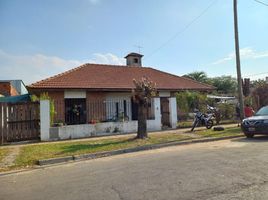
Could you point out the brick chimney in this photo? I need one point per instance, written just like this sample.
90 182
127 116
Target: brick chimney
134 59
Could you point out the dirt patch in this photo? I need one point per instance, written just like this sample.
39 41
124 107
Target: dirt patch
11 157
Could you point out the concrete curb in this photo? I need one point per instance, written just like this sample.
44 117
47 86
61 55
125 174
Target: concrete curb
55 160
129 150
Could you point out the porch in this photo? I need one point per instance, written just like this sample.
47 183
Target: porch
108 117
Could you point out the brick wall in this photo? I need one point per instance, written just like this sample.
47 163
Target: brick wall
58 97
13 91
7 89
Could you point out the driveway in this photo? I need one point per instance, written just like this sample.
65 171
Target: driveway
229 169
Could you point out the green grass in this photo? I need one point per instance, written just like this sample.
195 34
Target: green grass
188 124
30 154
185 124
233 131
3 153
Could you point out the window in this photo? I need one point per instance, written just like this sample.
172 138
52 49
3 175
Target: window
136 60
75 111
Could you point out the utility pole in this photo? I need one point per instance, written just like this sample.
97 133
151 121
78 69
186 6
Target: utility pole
238 69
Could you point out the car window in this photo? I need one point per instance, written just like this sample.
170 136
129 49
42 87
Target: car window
262 111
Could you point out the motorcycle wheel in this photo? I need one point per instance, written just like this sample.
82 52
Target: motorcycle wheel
194 125
209 124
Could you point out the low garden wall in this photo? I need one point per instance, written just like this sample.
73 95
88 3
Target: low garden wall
99 129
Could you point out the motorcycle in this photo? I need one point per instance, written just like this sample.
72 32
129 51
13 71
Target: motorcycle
204 119
215 113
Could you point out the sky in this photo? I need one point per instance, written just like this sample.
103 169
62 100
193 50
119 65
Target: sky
39 39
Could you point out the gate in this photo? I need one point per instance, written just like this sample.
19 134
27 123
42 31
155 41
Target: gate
19 122
165 119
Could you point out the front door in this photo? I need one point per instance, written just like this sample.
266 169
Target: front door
75 111
165 119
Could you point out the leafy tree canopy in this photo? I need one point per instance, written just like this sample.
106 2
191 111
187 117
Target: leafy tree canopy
224 84
199 76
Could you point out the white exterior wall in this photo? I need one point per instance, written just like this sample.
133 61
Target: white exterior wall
173 112
107 128
164 94
44 120
99 129
75 94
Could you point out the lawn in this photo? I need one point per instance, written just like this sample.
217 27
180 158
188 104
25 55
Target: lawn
29 155
227 132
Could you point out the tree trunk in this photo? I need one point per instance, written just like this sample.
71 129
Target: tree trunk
142 126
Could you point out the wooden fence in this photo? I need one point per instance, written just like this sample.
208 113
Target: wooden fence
19 121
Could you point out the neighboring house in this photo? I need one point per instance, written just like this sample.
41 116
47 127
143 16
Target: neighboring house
12 88
13 91
97 92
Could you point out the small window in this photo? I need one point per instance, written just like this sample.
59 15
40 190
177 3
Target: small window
136 60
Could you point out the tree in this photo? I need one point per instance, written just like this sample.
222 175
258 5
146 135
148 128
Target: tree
257 83
225 84
187 101
142 94
199 76
260 95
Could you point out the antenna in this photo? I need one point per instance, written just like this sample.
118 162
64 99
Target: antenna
139 47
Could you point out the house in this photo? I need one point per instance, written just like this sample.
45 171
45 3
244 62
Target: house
13 91
94 93
12 88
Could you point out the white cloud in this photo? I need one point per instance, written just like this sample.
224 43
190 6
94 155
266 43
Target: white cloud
32 68
245 53
107 59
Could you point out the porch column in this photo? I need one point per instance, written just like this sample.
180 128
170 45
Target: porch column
44 120
157 112
173 112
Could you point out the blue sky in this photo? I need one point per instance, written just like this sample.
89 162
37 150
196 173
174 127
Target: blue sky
40 38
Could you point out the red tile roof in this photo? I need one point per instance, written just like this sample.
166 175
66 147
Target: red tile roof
112 77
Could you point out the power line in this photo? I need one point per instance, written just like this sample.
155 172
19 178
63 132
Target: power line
183 30
250 75
265 4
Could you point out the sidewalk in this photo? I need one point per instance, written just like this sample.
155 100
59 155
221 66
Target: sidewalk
184 131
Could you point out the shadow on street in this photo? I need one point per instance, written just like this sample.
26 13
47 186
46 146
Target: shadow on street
255 139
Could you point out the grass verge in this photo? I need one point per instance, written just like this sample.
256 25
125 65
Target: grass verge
188 124
30 154
232 131
3 153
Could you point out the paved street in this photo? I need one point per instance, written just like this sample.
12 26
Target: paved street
229 169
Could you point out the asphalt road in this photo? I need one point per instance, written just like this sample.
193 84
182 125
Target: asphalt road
229 169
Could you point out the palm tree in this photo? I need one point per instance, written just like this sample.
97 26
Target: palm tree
199 76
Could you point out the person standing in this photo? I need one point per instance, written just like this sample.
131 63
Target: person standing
237 111
248 111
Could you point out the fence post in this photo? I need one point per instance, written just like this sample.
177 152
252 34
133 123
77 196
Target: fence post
44 120
173 112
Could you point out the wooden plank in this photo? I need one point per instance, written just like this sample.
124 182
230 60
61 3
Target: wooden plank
33 110
4 122
1 124
24 134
